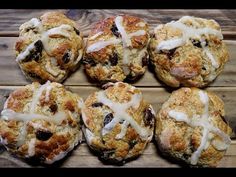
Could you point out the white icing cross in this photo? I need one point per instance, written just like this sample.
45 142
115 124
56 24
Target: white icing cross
187 33
8 114
38 94
120 114
34 22
126 39
202 121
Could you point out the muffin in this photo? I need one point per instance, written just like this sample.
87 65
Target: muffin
117 49
41 122
188 52
191 127
118 122
49 48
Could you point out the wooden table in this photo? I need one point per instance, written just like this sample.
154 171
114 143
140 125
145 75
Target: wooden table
12 78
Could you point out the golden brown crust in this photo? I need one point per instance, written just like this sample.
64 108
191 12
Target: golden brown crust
180 139
45 140
98 116
57 47
194 59
107 64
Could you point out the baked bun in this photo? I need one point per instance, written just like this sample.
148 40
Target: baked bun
118 122
191 127
117 49
41 122
188 52
49 48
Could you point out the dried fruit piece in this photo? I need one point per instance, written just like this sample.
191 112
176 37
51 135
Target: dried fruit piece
108 118
148 117
53 108
114 30
36 53
97 104
89 61
114 60
43 135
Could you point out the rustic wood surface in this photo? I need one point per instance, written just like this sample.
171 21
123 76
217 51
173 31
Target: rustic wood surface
12 78
11 19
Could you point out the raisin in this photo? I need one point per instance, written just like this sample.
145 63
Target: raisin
34 29
114 60
203 68
53 108
66 57
132 143
77 31
148 117
43 135
108 118
196 43
114 30
97 104
145 61
36 53
171 53
89 61
28 29
121 121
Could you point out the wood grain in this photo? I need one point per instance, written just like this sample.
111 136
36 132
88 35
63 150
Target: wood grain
153 90
11 75
11 19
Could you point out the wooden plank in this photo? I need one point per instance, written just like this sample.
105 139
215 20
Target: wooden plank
11 19
83 157
155 96
10 73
